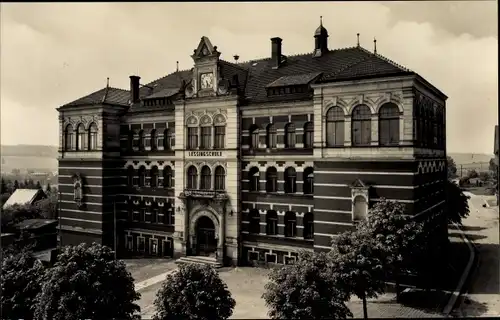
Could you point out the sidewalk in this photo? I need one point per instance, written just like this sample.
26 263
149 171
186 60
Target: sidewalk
481 227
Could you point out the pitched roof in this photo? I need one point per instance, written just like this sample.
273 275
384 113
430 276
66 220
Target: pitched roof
255 75
34 223
108 95
336 65
21 197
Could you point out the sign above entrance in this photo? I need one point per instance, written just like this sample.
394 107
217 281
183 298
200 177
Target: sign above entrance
214 154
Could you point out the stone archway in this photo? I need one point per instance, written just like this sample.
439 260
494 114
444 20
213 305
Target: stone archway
204 231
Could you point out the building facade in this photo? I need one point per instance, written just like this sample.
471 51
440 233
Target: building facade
250 161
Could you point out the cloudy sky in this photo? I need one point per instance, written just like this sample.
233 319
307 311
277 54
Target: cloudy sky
53 53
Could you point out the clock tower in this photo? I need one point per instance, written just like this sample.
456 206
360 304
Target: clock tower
205 73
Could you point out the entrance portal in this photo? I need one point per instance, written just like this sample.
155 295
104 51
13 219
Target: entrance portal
206 244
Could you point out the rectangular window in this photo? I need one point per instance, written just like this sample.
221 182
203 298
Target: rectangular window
142 216
206 137
154 246
192 142
159 141
220 136
141 244
253 255
136 215
271 258
130 243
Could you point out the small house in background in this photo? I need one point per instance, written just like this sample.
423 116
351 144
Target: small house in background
41 234
25 196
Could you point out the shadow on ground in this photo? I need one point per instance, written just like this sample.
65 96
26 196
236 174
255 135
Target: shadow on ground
430 301
474 308
470 236
465 228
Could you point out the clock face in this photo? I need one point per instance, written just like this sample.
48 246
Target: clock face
207 80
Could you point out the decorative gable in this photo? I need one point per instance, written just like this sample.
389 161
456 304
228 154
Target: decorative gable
358 184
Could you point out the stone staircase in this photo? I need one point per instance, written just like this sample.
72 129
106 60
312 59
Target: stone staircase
211 261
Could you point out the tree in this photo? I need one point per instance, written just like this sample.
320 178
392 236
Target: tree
48 188
48 207
38 185
87 283
473 174
485 176
306 290
194 292
395 235
452 168
16 185
21 274
457 202
3 186
358 265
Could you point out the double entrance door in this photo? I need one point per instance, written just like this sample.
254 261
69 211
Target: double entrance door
206 244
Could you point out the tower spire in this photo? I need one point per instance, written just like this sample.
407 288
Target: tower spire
358 38
321 21
107 82
177 68
374 45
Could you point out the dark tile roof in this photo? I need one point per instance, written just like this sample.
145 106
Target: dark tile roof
105 95
294 80
255 75
32 224
335 65
164 93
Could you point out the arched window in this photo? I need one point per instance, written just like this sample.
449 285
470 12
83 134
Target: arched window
290 135
361 126
308 177
254 179
130 176
154 176
153 140
254 222
141 140
142 176
206 137
220 137
192 178
388 128
192 142
254 137
167 177
290 180
290 224
220 178
271 223
206 178
335 127
308 135
69 137
80 137
271 179
93 137
308 223
360 209
271 136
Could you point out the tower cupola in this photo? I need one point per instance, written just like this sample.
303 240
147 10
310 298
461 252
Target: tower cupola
320 40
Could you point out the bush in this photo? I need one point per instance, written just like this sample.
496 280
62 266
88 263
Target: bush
307 289
194 292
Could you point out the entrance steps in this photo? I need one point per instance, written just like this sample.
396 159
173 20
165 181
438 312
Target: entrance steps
199 260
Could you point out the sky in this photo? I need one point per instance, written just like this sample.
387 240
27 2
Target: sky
54 53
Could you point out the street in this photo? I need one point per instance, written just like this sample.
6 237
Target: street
481 227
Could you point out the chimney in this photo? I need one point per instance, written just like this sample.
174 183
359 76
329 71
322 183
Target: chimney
276 52
134 89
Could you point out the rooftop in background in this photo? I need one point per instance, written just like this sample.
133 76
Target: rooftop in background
24 196
32 224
